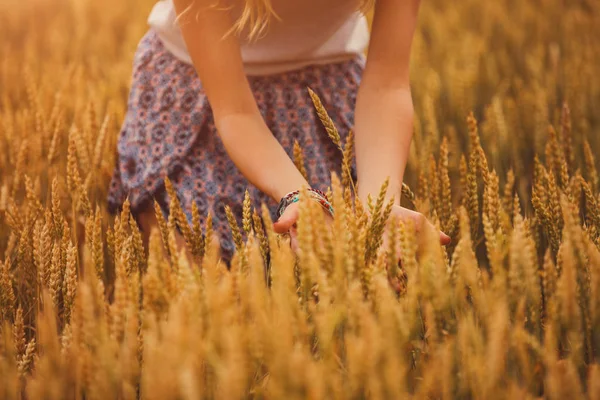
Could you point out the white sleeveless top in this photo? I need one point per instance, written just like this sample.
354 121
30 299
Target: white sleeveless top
307 32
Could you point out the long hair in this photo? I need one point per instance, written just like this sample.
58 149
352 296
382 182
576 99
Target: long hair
257 14
256 17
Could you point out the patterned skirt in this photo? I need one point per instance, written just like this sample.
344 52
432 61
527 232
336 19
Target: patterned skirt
169 131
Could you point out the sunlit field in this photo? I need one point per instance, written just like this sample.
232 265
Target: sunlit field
504 159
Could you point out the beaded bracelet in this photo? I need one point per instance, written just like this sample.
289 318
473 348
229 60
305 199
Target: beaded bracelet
294 197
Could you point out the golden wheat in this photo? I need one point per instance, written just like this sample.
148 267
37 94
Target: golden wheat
511 309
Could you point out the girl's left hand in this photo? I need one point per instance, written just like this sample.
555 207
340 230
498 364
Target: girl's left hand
420 222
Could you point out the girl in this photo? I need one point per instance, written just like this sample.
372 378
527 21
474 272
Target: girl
219 96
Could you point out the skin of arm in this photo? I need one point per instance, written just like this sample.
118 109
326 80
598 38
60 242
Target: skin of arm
216 56
384 108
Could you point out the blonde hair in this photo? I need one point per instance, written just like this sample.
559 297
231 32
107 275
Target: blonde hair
257 15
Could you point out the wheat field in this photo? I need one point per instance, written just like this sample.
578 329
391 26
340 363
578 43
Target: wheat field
504 158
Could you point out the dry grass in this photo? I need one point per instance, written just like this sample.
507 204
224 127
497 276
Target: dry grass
511 309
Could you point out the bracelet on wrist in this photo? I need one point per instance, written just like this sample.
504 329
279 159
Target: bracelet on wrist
294 197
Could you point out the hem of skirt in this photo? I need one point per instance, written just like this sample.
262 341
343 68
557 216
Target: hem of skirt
141 198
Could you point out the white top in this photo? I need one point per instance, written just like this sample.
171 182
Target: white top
307 32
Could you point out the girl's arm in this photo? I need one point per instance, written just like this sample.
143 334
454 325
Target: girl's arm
246 137
384 109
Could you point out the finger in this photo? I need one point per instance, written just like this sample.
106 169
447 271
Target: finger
445 239
294 243
287 220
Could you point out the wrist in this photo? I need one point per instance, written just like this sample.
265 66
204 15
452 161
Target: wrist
279 191
313 194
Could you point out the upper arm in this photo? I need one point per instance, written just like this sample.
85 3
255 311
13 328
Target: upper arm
394 24
216 56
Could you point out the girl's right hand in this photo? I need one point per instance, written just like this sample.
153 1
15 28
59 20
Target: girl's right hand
286 224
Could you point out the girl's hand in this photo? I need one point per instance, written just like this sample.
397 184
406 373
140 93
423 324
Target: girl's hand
419 222
421 226
287 224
